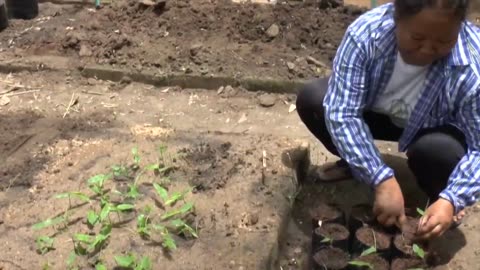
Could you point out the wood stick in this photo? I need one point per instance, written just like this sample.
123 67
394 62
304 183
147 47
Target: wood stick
70 104
19 93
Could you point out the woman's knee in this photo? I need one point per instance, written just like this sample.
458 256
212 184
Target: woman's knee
436 151
312 94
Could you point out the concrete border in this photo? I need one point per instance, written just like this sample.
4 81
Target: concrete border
182 80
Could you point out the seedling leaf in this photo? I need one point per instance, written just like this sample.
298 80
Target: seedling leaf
418 251
71 258
48 222
92 218
168 242
174 198
183 210
133 191
162 192
368 251
361 264
145 264
44 244
152 167
136 156
105 211
326 240
125 261
420 212
125 207
84 238
100 266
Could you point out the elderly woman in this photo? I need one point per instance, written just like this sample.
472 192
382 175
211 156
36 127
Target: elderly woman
408 72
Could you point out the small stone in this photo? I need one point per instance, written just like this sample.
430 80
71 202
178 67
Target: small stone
85 51
273 31
195 49
297 251
188 70
252 219
267 100
4 100
220 90
91 81
232 263
291 66
204 71
241 268
126 80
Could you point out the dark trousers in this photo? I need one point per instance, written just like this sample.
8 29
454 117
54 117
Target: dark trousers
432 155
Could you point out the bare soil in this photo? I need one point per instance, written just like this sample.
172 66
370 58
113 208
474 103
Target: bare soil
239 203
330 258
325 213
198 37
333 231
372 236
407 263
375 260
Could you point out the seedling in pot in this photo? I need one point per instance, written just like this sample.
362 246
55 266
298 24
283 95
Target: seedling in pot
370 240
330 234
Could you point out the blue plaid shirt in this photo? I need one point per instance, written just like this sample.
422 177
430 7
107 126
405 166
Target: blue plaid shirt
362 68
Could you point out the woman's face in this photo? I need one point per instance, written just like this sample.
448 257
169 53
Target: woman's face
427 36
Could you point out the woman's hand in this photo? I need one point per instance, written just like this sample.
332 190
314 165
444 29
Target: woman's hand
389 205
437 219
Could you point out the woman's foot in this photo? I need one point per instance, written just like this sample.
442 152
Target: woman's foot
334 171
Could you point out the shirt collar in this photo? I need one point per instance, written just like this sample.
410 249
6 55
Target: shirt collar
461 54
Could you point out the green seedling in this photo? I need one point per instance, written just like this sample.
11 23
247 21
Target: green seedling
418 251
327 240
130 262
167 240
136 156
186 208
92 218
44 244
120 170
143 220
176 196
420 212
183 228
49 222
361 264
368 251
72 257
97 182
73 194
94 242
133 191
100 266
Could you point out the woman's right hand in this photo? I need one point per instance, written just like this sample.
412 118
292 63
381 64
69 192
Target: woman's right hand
389 204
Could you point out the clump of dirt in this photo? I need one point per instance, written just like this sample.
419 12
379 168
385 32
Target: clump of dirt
372 236
332 231
408 263
199 37
325 213
208 160
331 258
403 242
374 260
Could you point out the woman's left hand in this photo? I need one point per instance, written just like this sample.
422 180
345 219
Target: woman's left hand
437 219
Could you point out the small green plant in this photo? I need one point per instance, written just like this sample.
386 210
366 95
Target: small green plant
44 244
419 252
360 263
100 266
183 228
420 212
368 251
73 194
185 209
167 240
49 222
130 262
143 220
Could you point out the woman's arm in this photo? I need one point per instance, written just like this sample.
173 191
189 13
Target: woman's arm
344 104
464 183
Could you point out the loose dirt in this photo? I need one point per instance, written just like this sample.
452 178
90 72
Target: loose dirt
330 258
288 40
239 204
372 237
377 262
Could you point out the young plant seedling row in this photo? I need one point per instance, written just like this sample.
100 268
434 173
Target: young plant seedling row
104 215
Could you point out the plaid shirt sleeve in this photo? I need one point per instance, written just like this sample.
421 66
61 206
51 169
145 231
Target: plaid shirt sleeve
344 104
464 184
